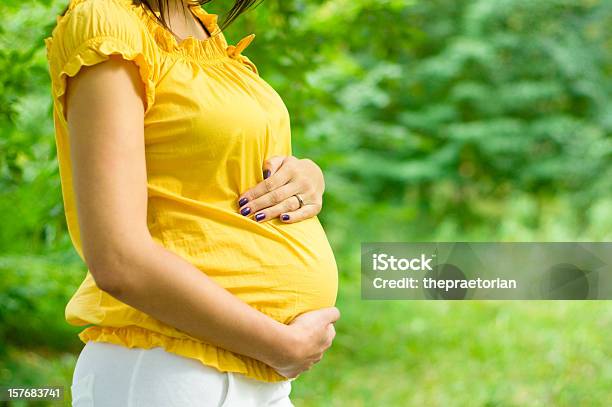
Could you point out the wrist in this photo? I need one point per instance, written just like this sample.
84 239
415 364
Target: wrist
282 345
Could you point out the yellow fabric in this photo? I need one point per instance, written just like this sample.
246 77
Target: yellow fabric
210 122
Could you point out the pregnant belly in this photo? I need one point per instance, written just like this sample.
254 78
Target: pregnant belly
280 269
284 291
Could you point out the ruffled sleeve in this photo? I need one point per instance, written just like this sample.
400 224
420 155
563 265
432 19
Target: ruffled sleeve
88 34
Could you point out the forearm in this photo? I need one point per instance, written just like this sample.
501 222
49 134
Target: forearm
170 289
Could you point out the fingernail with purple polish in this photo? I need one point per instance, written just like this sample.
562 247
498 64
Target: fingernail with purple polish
266 173
245 211
285 217
242 201
260 216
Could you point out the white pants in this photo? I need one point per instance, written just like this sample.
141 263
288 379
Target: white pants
109 375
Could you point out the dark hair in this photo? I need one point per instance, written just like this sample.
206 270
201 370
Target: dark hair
239 7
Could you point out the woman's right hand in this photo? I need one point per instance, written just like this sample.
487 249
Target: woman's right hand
308 337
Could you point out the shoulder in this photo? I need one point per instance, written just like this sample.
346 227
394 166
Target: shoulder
91 20
93 30
109 13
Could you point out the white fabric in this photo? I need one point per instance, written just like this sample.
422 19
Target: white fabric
109 375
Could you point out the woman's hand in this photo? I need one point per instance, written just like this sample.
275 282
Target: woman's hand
310 335
275 196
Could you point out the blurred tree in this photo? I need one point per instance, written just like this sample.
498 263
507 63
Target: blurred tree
453 118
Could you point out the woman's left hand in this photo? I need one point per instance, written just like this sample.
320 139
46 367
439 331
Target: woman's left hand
275 196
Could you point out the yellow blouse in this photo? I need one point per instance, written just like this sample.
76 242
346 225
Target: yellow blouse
210 122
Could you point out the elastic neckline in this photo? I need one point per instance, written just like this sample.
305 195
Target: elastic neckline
212 47
209 21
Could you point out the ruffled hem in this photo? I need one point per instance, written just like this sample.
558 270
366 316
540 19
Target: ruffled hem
137 337
96 50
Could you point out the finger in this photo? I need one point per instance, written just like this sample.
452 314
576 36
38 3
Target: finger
272 164
287 374
274 211
271 199
330 314
332 333
305 212
282 176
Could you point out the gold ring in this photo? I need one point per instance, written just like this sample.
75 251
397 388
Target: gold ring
300 200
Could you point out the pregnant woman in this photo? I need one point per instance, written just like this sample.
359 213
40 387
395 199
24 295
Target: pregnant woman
210 279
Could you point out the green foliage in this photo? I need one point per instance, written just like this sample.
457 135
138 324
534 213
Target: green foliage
488 354
30 199
433 120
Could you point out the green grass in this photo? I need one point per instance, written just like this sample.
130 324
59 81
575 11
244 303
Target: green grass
514 353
